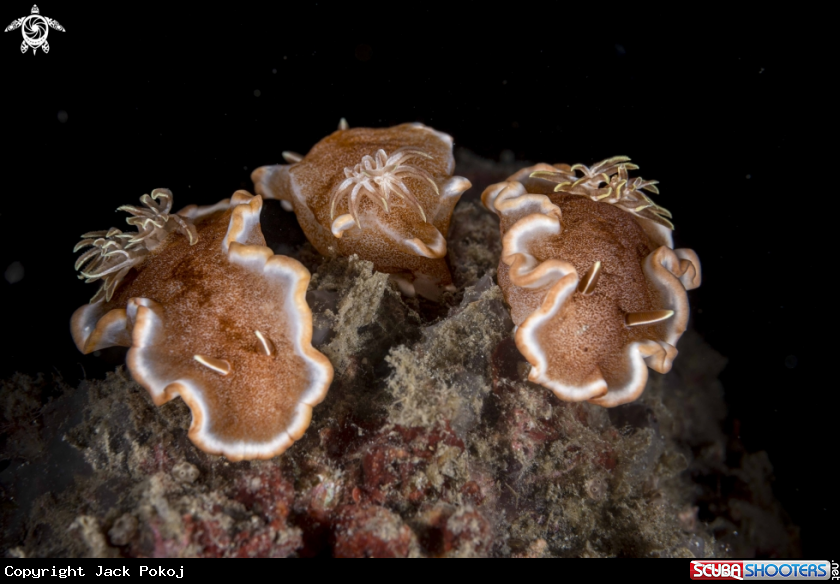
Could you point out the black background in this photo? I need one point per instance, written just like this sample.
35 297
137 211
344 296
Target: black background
711 106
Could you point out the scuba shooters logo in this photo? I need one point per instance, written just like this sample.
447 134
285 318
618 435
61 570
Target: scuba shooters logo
719 570
35 29
761 570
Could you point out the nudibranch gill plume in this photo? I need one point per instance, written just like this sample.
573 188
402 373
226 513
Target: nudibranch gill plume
385 194
211 315
588 268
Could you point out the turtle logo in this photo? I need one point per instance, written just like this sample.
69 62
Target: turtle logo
35 29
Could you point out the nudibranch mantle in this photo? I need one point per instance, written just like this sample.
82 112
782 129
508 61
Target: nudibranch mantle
341 192
212 315
596 289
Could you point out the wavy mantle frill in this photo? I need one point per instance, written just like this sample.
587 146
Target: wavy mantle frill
597 293
385 194
223 323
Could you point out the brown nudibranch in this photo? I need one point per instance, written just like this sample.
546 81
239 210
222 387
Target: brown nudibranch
385 194
595 287
210 314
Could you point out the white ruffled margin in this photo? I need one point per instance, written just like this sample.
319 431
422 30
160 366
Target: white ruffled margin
532 217
141 323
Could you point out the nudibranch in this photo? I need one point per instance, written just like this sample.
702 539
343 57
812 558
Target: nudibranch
384 194
211 315
588 268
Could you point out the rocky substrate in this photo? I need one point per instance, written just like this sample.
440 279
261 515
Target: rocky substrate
431 442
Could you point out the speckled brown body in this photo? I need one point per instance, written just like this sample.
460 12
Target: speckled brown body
308 186
590 331
223 323
595 288
213 307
